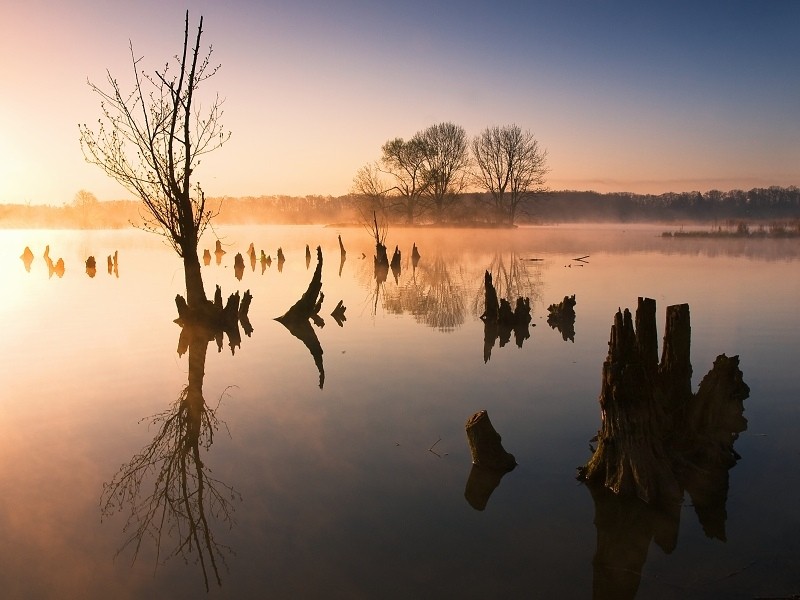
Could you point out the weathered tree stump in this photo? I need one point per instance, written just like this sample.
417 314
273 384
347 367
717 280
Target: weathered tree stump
631 458
415 254
485 444
658 441
381 258
500 320
338 313
491 310
27 258
297 318
654 432
281 260
562 317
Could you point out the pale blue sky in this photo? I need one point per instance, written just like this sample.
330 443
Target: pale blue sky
631 96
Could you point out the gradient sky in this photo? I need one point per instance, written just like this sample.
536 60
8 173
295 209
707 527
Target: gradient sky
625 96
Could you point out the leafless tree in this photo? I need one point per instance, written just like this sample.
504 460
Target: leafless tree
84 203
151 139
404 162
445 161
369 191
510 166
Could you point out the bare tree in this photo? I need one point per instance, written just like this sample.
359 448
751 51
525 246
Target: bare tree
369 191
151 139
85 203
446 158
405 163
510 166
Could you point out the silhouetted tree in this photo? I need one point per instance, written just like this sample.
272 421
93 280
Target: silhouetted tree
151 139
404 162
446 158
510 166
369 192
85 204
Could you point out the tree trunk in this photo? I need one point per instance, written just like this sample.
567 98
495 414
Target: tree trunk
195 292
630 457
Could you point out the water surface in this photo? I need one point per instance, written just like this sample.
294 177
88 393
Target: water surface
355 489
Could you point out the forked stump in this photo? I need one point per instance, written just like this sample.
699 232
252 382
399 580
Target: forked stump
485 445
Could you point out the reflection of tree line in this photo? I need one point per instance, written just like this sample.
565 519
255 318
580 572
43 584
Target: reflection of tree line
433 294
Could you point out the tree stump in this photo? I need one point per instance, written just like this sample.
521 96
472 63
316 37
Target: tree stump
485 444
562 317
656 438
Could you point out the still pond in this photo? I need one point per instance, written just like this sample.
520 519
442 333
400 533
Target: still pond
342 474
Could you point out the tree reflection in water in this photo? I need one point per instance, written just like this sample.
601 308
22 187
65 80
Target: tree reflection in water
167 489
512 278
433 295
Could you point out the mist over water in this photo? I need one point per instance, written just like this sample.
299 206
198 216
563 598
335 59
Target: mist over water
357 488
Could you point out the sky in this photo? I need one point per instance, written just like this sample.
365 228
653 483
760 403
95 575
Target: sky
643 96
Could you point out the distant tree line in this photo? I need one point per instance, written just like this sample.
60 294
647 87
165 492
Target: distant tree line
757 204
469 208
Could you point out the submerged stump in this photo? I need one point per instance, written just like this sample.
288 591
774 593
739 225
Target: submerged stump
485 444
654 431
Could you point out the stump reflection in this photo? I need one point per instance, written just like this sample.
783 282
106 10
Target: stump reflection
298 318
657 442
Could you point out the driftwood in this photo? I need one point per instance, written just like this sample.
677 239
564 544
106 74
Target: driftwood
297 318
562 317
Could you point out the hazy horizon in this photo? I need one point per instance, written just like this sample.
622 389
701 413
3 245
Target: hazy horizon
624 96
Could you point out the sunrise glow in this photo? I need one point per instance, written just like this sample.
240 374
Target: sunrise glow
624 98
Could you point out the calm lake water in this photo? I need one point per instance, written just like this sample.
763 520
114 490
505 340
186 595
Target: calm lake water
356 488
